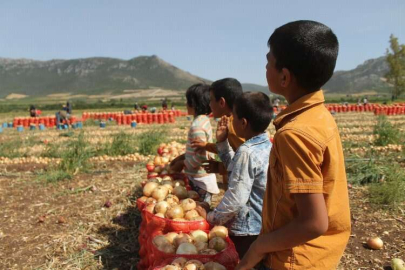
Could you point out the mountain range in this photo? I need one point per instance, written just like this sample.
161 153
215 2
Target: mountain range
99 75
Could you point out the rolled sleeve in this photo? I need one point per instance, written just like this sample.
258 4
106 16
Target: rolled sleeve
301 162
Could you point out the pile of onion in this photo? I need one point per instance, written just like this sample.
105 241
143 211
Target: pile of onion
182 263
196 242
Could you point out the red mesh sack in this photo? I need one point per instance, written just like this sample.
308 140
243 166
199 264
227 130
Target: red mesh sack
157 224
159 266
228 257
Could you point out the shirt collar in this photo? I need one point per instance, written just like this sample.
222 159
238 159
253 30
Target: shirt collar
257 139
301 104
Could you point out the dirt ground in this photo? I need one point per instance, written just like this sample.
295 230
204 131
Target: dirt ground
91 222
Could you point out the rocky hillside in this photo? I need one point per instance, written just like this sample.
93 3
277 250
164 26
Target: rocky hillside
90 76
368 76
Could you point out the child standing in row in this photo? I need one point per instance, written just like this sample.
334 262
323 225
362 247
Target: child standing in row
241 207
306 215
198 106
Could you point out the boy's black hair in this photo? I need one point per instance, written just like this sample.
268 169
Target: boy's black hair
198 97
256 108
308 50
229 88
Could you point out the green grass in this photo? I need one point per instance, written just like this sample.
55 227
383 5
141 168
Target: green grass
386 133
74 159
122 144
149 141
391 190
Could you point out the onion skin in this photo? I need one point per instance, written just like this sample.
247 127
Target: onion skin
218 244
397 264
148 188
186 248
160 193
214 266
199 236
188 204
175 212
375 243
218 231
180 192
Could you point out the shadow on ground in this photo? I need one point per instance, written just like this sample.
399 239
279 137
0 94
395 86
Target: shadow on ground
122 252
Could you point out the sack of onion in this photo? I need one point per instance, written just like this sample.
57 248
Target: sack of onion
194 245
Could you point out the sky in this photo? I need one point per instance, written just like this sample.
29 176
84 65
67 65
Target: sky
212 39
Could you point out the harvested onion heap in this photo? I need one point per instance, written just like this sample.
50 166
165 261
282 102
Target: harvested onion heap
171 149
182 263
170 199
197 242
167 153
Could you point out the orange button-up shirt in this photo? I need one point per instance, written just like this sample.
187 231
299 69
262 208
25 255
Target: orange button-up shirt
307 157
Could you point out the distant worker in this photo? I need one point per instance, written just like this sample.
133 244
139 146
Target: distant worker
62 116
69 107
144 108
136 106
33 111
153 109
365 101
164 104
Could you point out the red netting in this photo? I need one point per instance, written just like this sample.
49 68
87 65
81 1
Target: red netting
228 257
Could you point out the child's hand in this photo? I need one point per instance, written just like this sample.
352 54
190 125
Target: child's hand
251 258
198 144
211 166
222 129
201 211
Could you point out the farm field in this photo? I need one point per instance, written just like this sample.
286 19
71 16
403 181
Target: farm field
68 198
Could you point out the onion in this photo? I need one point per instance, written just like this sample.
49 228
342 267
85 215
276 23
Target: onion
171 236
179 183
207 251
160 240
201 246
166 182
180 219
180 192
150 200
171 267
161 207
168 248
193 195
143 198
148 188
172 199
160 215
157 161
186 248
375 243
397 264
175 212
169 187
218 244
199 236
199 218
218 231
150 208
167 178
214 266
179 262
191 214
194 265
182 238
155 180
188 204
160 193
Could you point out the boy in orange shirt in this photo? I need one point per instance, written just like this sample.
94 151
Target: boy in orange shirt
306 215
